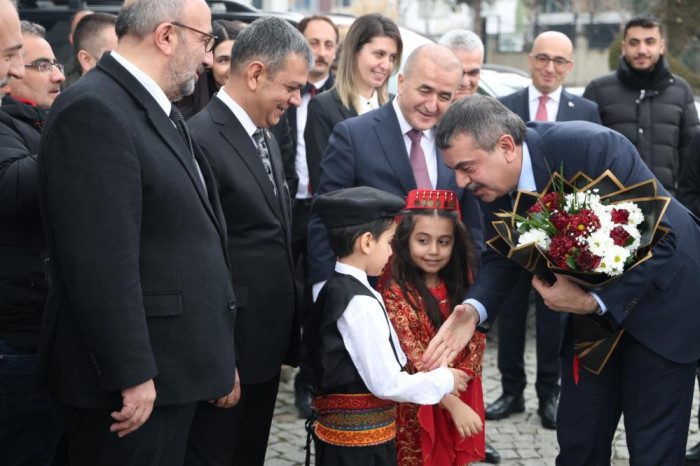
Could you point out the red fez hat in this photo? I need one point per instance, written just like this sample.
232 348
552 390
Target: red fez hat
433 199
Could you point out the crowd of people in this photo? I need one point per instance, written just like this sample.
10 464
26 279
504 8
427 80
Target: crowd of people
191 204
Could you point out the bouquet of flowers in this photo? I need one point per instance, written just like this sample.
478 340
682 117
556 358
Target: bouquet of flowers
593 231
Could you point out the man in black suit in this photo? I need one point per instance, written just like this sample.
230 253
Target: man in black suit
651 373
270 61
545 99
138 324
322 35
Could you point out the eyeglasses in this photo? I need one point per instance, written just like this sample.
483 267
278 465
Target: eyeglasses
44 65
542 60
208 42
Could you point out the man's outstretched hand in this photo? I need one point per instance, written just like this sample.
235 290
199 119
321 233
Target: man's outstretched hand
452 337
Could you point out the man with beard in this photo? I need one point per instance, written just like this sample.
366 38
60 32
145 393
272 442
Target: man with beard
644 101
10 42
270 61
28 434
139 318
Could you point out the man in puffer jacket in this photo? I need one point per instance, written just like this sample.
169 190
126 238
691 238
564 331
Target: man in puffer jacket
645 102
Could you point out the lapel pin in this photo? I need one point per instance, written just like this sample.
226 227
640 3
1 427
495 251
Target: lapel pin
571 104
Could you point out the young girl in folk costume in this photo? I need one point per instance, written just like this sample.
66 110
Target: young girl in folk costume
428 275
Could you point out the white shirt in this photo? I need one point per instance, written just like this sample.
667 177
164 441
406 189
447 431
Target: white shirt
526 182
157 93
365 329
427 142
364 104
239 113
552 104
300 165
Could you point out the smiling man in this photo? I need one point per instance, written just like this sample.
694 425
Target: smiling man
650 375
470 51
270 62
644 101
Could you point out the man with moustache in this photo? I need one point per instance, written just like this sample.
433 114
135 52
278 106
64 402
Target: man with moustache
644 101
11 63
470 51
322 35
138 325
94 35
545 99
28 433
270 61
649 377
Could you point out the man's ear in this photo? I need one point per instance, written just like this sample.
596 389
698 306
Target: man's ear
255 74
86 61
508 146
166 38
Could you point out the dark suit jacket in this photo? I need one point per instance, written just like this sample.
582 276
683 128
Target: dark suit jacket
291 115
259 242
571 107
139 277
369 151
654 302
324 112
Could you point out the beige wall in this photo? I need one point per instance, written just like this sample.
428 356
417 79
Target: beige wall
588 63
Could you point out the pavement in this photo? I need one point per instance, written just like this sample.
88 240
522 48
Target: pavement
520 439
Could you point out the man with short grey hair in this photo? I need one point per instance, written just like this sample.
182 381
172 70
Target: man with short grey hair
470 51
138 326
270 62
10 42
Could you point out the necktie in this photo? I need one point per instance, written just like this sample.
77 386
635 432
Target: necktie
179 121
418 163
541 114
261 145
309 89
313 91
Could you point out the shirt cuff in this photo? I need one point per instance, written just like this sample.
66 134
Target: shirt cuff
479 308
603 307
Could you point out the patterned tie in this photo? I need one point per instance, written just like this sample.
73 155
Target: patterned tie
418 163
541 114
179 121
259 137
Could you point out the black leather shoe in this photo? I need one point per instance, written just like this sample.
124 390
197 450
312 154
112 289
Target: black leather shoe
505 406
492 456
548 412
692 455
302 401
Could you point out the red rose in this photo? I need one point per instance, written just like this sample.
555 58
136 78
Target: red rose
586 260
620 236
620 216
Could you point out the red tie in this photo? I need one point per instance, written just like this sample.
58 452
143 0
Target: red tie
418 163
312 91
542 109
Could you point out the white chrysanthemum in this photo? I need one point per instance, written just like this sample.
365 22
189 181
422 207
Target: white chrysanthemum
599 242
613 261
535 236
582 200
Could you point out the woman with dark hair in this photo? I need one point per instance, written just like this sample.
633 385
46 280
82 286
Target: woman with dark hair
371 53
211 80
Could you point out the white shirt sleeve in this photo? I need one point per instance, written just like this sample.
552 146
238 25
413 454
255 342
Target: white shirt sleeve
366 334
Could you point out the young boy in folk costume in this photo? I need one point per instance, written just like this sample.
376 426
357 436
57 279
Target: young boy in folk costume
357 361
428 275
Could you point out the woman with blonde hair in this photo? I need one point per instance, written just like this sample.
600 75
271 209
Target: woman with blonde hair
371 53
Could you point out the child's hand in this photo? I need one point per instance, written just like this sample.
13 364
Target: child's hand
461 379
465 419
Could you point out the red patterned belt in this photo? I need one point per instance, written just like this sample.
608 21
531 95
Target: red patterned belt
354 420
